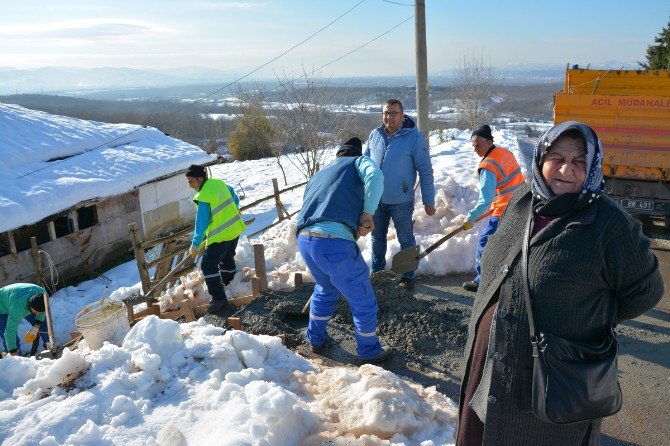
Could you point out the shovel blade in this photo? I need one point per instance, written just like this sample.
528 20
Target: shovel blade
406 260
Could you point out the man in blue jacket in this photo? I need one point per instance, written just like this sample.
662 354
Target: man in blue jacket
337 208
19 301
400 151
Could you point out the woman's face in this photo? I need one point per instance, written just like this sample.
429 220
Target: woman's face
564 166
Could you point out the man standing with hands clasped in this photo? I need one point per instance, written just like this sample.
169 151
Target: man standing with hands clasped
400 151
499 176
337 209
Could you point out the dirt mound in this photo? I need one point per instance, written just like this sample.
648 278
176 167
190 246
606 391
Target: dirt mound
424 332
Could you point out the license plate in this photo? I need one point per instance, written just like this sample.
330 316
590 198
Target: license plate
638 205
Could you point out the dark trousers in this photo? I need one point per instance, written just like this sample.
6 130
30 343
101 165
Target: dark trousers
218 267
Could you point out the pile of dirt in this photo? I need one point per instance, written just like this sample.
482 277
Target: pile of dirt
424 332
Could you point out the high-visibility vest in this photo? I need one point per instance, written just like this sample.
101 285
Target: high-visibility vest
225 222
508 176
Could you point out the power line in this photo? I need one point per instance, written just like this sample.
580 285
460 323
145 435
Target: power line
396 3
339 58
213 93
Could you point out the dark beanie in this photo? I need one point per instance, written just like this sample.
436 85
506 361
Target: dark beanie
36 302
352 147
196 171
483 131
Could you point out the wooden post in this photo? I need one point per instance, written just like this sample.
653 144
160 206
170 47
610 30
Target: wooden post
259 262
139 257
188 310
72 215
130 312
52 230
38 262
235 323
255 286
278 205
12 243
297 279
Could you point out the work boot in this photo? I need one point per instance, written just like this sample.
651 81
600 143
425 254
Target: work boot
318 349
383 356
472 286
216 305
406 283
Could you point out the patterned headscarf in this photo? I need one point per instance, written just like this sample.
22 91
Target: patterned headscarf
594 184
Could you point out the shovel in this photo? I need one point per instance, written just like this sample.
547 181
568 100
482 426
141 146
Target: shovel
55 351
408 259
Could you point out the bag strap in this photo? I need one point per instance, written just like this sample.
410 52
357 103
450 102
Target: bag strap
535 342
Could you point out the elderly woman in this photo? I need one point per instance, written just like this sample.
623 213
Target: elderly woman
589 268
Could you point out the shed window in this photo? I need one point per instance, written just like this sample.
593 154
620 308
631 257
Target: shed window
63 225
22 236
87 217
4 244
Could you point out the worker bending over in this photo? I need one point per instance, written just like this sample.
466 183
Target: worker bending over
20 301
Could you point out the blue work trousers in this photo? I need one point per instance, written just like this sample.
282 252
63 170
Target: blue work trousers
218 267
489 230
42 335
338 267
404 229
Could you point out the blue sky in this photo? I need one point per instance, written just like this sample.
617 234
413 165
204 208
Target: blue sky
237 36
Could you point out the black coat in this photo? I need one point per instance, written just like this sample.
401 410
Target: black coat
588 270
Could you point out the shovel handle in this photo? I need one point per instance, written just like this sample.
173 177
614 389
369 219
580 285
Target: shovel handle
432 247
167 277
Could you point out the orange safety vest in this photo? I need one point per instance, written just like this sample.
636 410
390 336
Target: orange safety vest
508 176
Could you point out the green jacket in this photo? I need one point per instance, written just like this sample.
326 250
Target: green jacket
14 303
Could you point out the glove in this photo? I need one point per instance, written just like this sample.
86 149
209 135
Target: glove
467 225
193 251
31 334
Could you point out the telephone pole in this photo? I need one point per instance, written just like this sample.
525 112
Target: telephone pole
421 66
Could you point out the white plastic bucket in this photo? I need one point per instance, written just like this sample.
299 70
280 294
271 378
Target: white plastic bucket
102 321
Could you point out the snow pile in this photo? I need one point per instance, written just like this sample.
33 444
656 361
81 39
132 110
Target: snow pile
194 384
191 286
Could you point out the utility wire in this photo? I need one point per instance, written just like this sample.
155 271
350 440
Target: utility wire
339 58
396 3
213 93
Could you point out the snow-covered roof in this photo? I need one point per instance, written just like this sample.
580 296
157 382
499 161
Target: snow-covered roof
49 163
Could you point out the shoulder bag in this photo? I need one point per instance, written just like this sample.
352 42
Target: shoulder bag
572 381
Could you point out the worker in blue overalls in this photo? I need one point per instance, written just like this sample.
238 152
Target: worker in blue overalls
338 206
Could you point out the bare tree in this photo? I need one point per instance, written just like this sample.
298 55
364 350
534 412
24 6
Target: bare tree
307 125
475 84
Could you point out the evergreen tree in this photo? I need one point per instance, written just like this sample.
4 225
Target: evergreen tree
658 54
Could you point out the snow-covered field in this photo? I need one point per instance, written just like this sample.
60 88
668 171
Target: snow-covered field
174 384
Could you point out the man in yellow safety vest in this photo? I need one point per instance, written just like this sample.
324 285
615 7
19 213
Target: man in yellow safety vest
219 222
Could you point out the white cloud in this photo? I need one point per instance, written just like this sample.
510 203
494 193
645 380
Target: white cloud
100 29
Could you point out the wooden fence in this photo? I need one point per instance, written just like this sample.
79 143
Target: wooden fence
175 247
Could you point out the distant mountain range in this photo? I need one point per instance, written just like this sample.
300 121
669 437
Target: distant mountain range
84 81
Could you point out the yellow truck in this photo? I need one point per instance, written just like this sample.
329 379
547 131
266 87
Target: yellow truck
630 112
